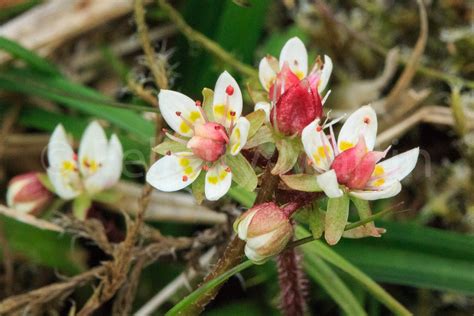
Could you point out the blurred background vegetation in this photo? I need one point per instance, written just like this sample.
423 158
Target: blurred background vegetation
95 68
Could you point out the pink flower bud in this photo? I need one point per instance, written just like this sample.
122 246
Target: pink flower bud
266 228
296 108
209 141
355 166
27 194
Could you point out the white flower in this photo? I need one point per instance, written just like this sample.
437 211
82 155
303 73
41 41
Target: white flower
352 162
207 141
97 167
277 75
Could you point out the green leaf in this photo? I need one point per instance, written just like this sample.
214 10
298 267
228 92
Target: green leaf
319 249
288 152
198 188
244 197
242 172
27 56
301 182
169 146
43 247
337 214
109 196
324 275
256 119
80 206
316 221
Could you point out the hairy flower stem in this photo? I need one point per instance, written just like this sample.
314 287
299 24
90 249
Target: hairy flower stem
293 283
234 252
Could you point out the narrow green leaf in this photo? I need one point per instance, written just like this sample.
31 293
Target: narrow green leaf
29 57
319 249
242 172
336 218
244 197
301 182
323 274
80 206
256 120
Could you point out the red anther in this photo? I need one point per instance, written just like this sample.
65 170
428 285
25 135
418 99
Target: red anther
178 113
217 127
185 178
205 167
227 169
168 153
229 90
318 128
198 103
366 120
232 113
164 130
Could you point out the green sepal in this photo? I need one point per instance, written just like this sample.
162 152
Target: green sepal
364 211
242 172
316 220
337 214
207 99
256 120
301 182
257 95
264 135
288 152
198 188
44 179
169 146
110 196
80 206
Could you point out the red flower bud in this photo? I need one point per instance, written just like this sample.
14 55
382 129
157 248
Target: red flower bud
266 228
27 194
296 108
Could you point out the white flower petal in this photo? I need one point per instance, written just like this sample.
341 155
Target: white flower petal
254 256
325 74
394 169
239 135
243 226
266 107
92 150
361 122
66 183
111 169
59 149
227 99
173 103
294 52
218 181
387 192
317 146
266 71
328 183
174 172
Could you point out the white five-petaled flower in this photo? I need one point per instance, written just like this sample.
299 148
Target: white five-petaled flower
352 162
207 140
97 166
277 75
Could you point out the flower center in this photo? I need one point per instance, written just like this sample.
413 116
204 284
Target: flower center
209 141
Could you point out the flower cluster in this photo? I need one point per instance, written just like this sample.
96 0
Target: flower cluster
206 139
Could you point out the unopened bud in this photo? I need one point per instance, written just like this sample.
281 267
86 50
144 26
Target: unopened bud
266 228
27 194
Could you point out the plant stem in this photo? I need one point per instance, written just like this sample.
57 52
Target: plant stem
204 41
292 283
234 252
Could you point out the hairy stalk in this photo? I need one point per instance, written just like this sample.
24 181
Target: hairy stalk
204 41
157 68
293 284
234 252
